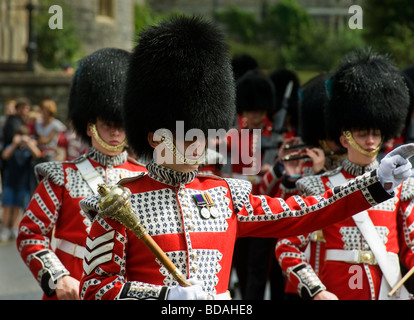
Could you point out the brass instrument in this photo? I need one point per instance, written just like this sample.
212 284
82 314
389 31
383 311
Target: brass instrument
115 204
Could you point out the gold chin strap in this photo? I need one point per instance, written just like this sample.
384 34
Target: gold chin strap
108 147
352 142
329 152
178 155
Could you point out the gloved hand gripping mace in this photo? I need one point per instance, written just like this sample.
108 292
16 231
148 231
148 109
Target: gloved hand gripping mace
115 204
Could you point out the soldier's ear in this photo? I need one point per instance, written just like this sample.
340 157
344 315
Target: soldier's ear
153 140
344 142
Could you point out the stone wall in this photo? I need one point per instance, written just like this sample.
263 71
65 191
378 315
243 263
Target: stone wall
206 7
97 31
13 31
36 86
94 30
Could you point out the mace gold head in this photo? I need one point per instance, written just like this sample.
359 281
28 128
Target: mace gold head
103 189
112 199
115 204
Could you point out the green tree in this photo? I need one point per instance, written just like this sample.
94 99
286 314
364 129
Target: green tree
240 24
144 17
389 28
303 44
320 49
55 46
287 22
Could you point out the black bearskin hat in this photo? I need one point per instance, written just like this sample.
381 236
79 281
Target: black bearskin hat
254 91
179 71
366 92
242 63
312 110
97 89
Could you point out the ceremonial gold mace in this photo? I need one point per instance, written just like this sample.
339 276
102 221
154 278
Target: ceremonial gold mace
115 204
401 282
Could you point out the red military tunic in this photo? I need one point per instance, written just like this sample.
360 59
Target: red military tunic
246 153
274 185
393 221
301 259
118 266
54 208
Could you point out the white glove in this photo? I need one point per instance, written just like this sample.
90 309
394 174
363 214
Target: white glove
393 170
194 292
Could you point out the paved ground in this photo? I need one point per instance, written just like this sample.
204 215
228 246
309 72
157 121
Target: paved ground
16 281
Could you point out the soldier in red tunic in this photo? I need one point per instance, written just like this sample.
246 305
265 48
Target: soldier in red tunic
180 71
321 155
255 97
368 105
53 231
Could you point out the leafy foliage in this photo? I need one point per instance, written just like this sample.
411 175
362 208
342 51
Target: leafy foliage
389 27
241 24
288 37
55 46
287 22
145 17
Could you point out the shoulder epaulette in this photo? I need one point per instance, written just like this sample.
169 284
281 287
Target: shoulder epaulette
240 191
313 185
331 172
53 170
208 175
50 170
125 181
310 186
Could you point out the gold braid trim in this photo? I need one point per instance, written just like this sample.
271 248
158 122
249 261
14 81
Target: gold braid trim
354 144
178 155
108 147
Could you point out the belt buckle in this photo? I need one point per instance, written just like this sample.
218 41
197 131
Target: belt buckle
317 236
366 257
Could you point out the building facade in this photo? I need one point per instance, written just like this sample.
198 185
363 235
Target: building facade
100 23
108 23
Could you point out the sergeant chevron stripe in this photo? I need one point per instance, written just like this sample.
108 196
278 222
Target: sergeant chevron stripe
98 251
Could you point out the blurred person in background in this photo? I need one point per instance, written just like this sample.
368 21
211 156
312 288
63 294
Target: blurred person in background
48 129
8 110
33 118
16 120
69 145
17 180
